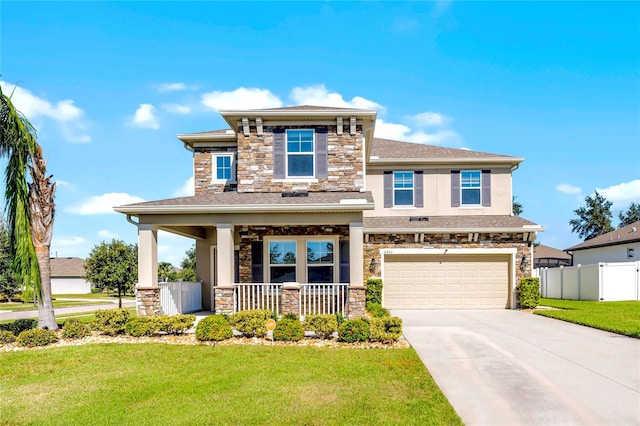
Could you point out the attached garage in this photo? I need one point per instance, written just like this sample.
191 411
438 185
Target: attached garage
451 279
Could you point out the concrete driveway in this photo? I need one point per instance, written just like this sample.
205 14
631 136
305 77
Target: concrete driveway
505 367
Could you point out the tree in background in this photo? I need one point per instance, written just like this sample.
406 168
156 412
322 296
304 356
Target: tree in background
30 207
594 219
516 207
113 266
188 265
630 216
9 284
166 272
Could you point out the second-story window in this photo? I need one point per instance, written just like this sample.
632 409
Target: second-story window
300 153
223 167
403 188
470 187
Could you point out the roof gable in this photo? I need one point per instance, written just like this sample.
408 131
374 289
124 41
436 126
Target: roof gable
67 267
624 235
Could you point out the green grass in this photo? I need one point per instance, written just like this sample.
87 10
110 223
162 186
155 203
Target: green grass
84 316
94 296
18 306
156 384
617 317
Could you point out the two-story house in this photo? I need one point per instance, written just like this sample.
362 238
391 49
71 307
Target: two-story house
294 208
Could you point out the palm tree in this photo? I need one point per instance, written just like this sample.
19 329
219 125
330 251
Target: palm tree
30 207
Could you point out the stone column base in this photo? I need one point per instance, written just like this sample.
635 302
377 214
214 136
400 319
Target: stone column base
147 301
290 300
223 299
357 301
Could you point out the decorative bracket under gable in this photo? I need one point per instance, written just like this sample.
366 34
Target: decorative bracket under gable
339 125
352 125
245 126
259 126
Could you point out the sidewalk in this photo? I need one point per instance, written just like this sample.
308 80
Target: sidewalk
14 315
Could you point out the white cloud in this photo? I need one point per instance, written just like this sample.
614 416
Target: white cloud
318 95
67 241
430 119
103 204
64 184
403 132
186 190
145 117
171 87
623 193
241 98
106 234
566 188
177 108
69 118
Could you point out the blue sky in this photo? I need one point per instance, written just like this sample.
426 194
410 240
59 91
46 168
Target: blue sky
109 85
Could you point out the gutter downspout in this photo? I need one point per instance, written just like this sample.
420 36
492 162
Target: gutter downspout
131 221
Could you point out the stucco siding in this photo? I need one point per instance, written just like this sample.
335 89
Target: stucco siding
70 286
617 253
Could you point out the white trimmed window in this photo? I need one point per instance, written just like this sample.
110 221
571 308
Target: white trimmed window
300 157
223 167
302 259
403 188
470 187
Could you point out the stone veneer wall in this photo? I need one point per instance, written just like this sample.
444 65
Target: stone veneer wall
461 240
249 234
345 163
203 171
147 301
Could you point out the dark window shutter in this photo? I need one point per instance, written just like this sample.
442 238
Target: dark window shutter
486 188
418 189
278 154
388 189
256 262
455 188
321 153
344 261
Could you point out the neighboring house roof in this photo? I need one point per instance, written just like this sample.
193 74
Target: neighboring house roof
255 202
545 252
626 234
480 223
67 267
389 149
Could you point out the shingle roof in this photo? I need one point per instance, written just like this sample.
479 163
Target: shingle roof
545 252
624 235
450 223
67 267
386 148
311 108
258 201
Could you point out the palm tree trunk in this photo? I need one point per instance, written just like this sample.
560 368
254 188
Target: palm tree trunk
42 209
46 316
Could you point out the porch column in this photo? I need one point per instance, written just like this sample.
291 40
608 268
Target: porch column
356 253
224 263
147 290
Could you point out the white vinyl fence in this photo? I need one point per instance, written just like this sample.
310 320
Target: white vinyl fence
600 281
180 297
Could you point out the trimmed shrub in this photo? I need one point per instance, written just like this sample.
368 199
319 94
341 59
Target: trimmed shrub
377 311
529 288
386 329
251 323
373 292
111 321
6 337
73 328
340 318
354 330
20 325
37 337
174 324
140 326
289 330
213 327
289 316
323 325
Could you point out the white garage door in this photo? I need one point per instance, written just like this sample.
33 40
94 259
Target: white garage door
445 281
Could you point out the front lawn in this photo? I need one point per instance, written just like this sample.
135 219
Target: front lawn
617 317
157 384
19 306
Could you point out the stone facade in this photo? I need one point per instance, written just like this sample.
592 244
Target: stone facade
376 242
357 301
223 299
203 171
147 301
290 300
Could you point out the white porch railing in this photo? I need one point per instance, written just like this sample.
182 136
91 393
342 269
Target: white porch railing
252 296
180 297
323 299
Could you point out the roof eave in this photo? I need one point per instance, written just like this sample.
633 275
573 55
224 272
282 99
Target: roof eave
247 208
480 160
526 228
233 116
608 244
